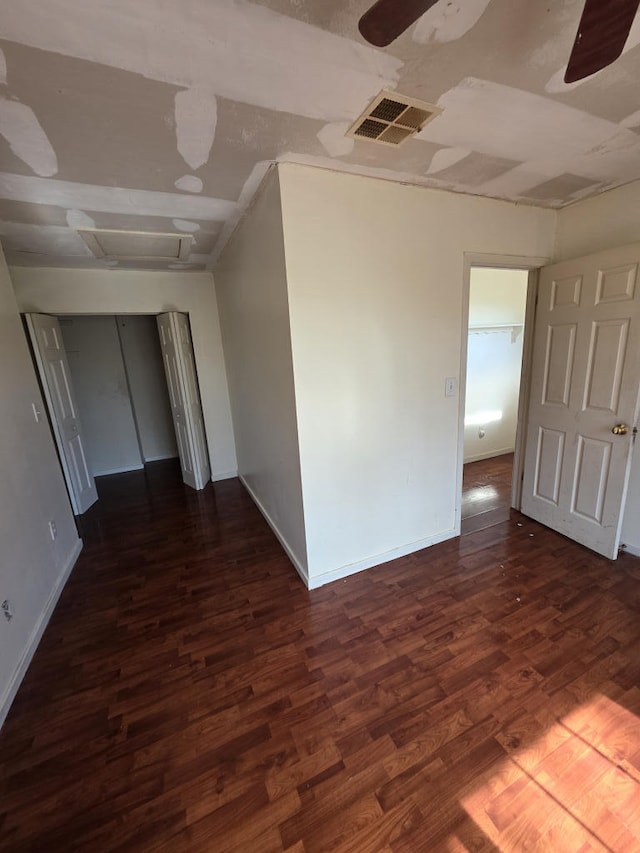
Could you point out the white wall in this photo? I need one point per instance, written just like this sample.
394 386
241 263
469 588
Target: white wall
604 222
498 296
148 386
375 274
494 360
252 292
100 386
71 291
33 568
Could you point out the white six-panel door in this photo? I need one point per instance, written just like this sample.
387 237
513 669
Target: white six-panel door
179 365
51 360
584 391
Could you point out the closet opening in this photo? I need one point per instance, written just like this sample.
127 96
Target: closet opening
497 308
121 392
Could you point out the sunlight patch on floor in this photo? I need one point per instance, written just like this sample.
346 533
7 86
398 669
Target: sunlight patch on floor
576 788
484 492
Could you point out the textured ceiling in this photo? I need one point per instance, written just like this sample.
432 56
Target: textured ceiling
157 116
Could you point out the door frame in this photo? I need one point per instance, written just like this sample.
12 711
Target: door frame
515 262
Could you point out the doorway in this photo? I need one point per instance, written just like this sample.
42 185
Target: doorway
579 401
121 392
495 346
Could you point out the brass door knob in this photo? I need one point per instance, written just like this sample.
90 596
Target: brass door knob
620 429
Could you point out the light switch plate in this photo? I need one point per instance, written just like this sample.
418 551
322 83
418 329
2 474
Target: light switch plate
450 386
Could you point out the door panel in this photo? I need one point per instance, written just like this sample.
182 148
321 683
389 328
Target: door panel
566 292
179 365
177 406
592 472
193 398
549 464
585 380
605 363
559 364
617 284
51 361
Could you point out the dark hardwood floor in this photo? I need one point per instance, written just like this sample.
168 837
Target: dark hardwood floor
486 492
191 695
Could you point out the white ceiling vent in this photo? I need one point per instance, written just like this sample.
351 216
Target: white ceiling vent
391 119
137 245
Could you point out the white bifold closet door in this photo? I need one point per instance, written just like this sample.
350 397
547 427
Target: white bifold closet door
53 367
182 382
584 396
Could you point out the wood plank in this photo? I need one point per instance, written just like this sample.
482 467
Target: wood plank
189 694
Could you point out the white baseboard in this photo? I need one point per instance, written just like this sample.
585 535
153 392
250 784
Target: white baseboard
124 470
352 568
227 475
296 563
36 635
160 458
632 549
478 457
402 551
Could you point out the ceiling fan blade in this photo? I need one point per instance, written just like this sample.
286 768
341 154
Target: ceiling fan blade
601 36
387 19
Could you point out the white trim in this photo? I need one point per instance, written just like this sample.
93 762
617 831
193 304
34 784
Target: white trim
395 553
296 563
631 549
124 470
489 455
506 262
36 635
524 394
225 475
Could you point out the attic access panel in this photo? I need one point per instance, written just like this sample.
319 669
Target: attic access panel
137 245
